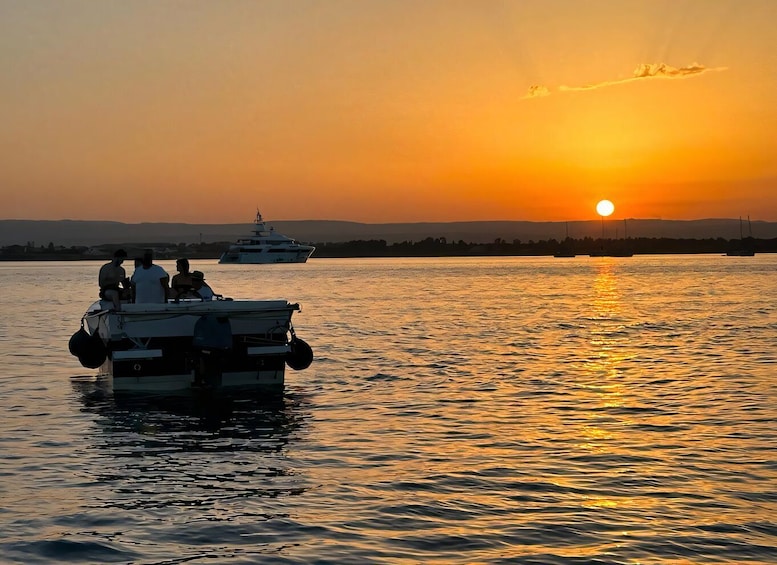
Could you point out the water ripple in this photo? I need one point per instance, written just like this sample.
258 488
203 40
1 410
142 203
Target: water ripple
503 410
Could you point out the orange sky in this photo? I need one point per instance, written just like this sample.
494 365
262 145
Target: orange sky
387 111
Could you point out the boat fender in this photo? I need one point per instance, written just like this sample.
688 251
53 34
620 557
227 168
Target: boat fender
94 352
300 354
78 342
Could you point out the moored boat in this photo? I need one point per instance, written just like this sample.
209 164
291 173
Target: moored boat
745 247
567 247
189 344
266 245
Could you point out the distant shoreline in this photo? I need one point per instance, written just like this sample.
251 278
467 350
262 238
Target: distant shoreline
429 247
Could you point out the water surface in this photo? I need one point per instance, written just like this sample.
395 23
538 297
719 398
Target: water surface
459 410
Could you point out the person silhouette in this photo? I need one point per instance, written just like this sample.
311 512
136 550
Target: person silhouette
182 282
150 281
200 287
113 279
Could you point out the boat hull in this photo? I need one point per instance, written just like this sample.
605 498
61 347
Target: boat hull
185 382
264 258
178 347
177 369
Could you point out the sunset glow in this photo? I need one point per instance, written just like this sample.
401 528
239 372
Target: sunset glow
386 111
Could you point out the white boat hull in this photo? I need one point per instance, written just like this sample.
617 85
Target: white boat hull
185 382
178 347
264 257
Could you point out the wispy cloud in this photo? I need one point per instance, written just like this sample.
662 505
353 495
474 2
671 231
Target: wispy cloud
537 90
644 71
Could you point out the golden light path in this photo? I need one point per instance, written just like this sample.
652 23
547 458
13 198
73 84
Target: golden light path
605 208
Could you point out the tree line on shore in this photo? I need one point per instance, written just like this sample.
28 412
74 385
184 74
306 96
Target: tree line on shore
429 247
440 247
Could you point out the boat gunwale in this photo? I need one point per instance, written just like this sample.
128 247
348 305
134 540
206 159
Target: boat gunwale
197 306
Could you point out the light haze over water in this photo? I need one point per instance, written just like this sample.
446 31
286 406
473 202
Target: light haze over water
459 410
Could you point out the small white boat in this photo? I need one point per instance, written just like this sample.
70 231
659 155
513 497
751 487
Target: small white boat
266 246
191 344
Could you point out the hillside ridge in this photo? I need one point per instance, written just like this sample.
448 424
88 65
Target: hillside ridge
91 232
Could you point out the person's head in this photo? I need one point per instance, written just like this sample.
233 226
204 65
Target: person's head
138 261
148 258
198 279
182 265
118 256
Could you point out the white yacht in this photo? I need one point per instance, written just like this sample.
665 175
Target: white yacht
266 246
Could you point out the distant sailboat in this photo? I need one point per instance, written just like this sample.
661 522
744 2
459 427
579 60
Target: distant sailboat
625 249
746 247
567 247
616 249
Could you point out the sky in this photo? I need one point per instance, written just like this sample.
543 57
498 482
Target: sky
380 111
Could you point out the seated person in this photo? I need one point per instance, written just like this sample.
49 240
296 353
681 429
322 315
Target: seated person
199 287
113 279
182 282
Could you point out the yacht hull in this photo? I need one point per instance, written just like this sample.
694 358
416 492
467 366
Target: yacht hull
264 257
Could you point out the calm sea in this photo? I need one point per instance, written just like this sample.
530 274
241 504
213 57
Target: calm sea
466 410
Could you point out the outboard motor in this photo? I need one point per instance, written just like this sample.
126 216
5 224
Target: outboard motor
212 341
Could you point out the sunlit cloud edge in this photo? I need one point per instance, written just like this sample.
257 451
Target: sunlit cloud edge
642 72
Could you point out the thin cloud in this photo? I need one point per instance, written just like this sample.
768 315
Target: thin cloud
663 70
537 90
644 71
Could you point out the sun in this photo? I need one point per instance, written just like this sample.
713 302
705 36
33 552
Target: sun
605 208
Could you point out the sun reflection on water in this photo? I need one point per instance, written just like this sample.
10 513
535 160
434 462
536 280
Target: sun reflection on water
607 336
601 387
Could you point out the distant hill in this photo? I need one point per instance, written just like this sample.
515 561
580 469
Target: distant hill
77 232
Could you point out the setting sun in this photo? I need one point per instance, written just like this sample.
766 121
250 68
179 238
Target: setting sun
605 208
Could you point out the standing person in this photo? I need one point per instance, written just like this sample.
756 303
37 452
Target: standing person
113 279
150 281
182 282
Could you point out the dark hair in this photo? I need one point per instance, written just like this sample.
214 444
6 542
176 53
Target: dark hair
183 262
148 258
198 276
119 253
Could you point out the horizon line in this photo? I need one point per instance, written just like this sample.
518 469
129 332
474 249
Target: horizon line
607 218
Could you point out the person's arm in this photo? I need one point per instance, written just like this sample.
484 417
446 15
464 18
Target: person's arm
165 282
174 291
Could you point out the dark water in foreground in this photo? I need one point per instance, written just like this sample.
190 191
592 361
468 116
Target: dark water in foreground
510 410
